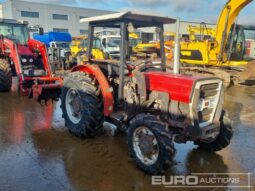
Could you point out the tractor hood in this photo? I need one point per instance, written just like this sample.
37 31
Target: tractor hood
24 50
179 87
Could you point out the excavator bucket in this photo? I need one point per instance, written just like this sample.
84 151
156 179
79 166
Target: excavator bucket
247 76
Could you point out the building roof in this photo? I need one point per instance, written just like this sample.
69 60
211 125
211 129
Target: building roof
53 3
136 18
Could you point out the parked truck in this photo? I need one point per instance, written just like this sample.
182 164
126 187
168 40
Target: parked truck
110 40
58 44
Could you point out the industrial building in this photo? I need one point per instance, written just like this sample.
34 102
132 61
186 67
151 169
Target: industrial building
51 17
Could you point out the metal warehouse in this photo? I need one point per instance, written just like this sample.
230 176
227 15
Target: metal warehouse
51 17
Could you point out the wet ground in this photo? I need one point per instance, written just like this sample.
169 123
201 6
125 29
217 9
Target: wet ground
37 152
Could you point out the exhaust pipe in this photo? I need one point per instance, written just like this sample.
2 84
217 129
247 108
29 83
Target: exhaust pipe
177 48
174 104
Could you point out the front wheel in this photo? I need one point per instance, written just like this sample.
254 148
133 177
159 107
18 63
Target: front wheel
81 104
150 144
5 76
222 140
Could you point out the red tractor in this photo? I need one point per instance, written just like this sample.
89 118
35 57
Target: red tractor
27 59
144 98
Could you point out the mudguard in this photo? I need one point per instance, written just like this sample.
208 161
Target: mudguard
107 91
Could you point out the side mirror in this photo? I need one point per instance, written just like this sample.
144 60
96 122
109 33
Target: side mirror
41 31
104 43
106 56
130 27
52 45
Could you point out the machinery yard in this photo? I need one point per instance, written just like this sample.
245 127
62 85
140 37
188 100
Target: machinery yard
38 152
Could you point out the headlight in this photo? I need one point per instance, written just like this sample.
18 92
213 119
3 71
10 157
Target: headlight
212 102
206 103
200 105
31 60
23 60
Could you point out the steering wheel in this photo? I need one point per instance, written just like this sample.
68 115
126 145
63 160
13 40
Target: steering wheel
146 67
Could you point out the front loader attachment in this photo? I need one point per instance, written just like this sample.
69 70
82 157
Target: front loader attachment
46 90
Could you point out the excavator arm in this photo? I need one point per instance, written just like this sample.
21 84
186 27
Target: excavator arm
225 21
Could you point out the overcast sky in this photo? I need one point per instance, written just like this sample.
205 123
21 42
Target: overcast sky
189 10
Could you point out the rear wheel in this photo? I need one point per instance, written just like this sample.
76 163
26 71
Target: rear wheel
150 144
5 76
81 104
222 140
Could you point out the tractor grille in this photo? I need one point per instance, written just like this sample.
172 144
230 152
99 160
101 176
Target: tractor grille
209 95
209 90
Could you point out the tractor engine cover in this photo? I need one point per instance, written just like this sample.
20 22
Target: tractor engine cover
179 87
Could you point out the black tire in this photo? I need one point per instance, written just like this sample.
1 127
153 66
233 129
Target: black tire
222 140
5 76
166 149
91 104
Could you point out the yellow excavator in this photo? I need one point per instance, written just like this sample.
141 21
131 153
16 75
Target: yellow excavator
223 54
154 47
79 47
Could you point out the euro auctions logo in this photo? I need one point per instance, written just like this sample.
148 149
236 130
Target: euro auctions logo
205 180
175 180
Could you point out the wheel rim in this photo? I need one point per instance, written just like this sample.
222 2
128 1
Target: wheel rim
145 145
74 106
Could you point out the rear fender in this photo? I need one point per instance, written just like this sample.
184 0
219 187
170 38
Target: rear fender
107 91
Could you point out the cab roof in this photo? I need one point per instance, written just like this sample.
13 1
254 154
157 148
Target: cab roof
137 19
12 21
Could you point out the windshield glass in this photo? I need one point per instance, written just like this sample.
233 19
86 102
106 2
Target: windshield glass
96 43
169 38
249 34
16 32
133 42
113 42
63 45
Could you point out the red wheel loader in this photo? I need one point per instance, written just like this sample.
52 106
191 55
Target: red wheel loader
144 98
27 59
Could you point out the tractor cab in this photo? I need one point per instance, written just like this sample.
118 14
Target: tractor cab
124 41
128 60
241 43
27 59
14 30
30 60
